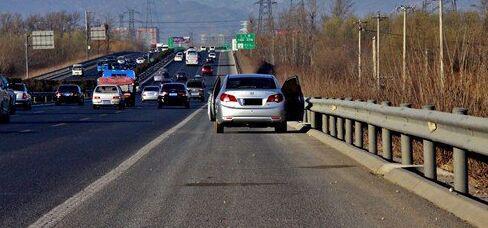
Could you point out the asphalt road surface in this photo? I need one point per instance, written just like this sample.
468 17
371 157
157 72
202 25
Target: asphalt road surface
192 178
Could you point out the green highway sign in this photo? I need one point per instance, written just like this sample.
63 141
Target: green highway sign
171 42
246 41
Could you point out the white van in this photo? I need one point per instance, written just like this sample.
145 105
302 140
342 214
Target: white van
192 58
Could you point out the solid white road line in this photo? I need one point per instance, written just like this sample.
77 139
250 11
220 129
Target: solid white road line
57 214
58 125
85 119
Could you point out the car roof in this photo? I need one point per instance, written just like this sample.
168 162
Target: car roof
107 85
250 76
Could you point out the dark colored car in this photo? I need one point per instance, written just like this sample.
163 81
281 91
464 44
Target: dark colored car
11 93
174 94
207 70
181 77
69 94
5 101
196 88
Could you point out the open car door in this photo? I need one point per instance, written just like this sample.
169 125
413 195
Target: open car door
294 99
211 100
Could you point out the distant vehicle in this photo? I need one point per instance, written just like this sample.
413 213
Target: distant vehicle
160 75
111 59
165 47
212 55
212 48
173 94
207 70
121 60
5 101
11 94
69 94
108 95
190 49
178 57
23 98
150 93
192 58
181 77
209 60
140 60
77 70
203 48
125 79
197 76
103 66
255 100
196 89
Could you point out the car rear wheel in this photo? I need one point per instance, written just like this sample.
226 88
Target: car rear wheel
281 127
121 106
219 128
13 110
96 107
5 118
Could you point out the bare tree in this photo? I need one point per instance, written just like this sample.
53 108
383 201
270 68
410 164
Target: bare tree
340 8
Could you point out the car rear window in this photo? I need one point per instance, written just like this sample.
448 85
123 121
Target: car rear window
250 83
195 84
173 86
151 88
106 89
17 87
64 89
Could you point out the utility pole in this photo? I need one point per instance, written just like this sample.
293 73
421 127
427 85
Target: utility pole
404 9
87 30
375 74
27 56
441 44
378 18
360 29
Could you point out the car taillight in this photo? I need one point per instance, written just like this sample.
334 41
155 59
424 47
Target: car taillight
228 98
116 97
24 96
96 97
275 98
182 94
164 93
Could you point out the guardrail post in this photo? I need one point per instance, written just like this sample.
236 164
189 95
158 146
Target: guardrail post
45 99
325 123
372 137
430 168
460 162
358 132
305 116
332 126
386 138
348 127
34 100
406 144
340 128
313 119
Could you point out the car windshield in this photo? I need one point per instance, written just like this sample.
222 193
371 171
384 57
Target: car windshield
106 89
195 84
17 87
192 53
151 88
250 83
167 87
68 89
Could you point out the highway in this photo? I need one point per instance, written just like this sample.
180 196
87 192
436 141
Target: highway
90 69
188 177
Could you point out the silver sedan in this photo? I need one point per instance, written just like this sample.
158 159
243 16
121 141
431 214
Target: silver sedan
252 100
150 93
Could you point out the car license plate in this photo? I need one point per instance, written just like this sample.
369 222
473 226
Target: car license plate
67 94
105 102
173 94
195 94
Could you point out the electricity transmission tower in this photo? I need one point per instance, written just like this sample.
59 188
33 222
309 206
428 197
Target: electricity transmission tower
149 13
265 18
132 21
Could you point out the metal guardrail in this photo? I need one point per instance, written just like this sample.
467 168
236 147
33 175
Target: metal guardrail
151 70
345 120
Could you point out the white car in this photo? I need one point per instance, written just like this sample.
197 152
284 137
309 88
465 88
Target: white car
212 55
108 95
150 93
203 48
140 60
192 58
165 47
23 98
121 60
77 70
178 57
